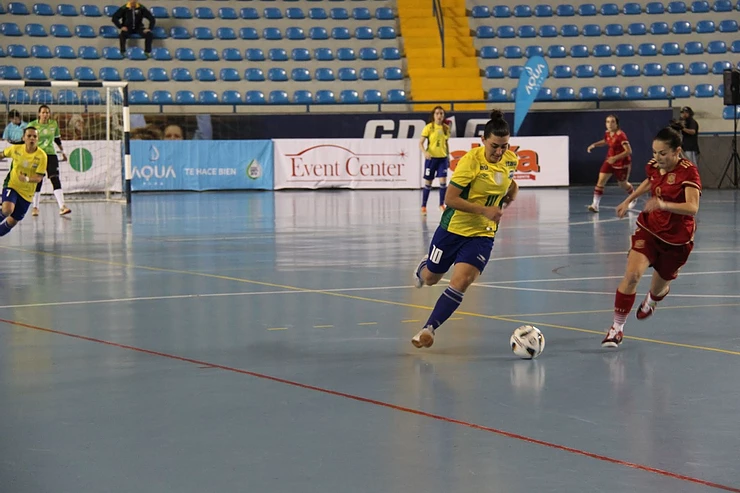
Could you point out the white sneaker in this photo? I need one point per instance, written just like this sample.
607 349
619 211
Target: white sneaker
425 337
418 281
593 208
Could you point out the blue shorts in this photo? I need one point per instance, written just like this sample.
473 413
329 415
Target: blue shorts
448 248
436 166
21 204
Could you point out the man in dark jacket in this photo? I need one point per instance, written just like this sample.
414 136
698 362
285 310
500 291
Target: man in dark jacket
130 20
690 135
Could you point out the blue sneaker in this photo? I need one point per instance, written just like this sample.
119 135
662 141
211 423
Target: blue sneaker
418 281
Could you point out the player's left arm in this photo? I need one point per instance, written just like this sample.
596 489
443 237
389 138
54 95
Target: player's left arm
510 194
688 208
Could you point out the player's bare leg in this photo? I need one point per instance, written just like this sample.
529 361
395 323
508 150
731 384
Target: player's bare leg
659 289
624 299
599 191
422 275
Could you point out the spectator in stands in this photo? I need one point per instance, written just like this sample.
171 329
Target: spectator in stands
174 132
13 132
690 133
130 20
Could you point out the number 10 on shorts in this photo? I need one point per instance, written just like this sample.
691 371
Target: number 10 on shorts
436 255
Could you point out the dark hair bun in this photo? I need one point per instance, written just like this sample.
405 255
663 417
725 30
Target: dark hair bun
676 126
497 115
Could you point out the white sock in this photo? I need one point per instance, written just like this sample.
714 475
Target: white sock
619 327
36 199
60 197
597 200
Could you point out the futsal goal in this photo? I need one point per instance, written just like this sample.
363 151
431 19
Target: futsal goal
94 123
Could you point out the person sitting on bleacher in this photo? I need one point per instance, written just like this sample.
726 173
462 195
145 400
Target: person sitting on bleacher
130 20
13 132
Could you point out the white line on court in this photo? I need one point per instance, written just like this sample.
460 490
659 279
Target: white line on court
569 279
610 293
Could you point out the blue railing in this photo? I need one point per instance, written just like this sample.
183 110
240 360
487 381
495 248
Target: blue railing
440 16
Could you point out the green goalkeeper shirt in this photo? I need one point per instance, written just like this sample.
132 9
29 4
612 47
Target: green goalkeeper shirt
47 133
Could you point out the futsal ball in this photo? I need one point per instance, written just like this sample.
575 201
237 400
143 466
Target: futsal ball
527 342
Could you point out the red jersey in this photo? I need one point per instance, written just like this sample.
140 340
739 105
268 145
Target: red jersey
615 148
674 229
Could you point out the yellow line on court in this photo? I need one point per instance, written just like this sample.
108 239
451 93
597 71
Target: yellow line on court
367 323
372 300
410 321
323 326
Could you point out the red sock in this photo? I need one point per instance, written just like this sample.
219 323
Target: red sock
598 191
658 298
622 307
630 189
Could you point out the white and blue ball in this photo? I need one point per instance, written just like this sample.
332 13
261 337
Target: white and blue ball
527 342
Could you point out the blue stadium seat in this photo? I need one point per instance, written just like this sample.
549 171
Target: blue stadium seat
609 9
159 12
114 53
295 34
656 92
85 31
369 73
633 92
325 96
272 33
347 74
323 54
481 12
68 96
614 30
10 72
272 13
361 14
670 49
579 51
652 69
43 9
161 97
157 74
502 32
19 96
248 33
303 97
721 90
675 68
185 54
91 96
569 30
60 31
229 74
249 13
592 30
135 53
512 52
300 55
676 8
562 72
722 6
84 74
545 94
717 67
588 94
390 53
10 29
35 30
556 51
339 14
611 92
654 8
584 71
372 96
181 13
565 94
67 10
498 95
233 97
208 97
489 52
203 33
34 72
494 72
57 73
317 13
41 51
647 49
340 33
179 32
257 97
547 31
704 91
346 54
730 112
625 50
348 96
716 47
204 13
205 75
699 68
42 96
587 10
226 33
368 53
386 32
636 29
607 70
565 10
17 51
181 74
109 74
253 74
522 11
318 33
630 70
681 27
185 97
543 11
602 50
275 55
384 14
322 74
527 31
134 74
700 6
251 54
108 32
705 27
736 46
231 55
88 53
532 51
227 13
515 71
728 26
276 75
659 28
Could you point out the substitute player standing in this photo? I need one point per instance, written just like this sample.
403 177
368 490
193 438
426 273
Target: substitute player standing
665 229
48 136
436 155
618 161
481 186
26 170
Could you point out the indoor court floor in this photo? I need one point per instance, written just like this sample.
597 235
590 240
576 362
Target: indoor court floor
259 342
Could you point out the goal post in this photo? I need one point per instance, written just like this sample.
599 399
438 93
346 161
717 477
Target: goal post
95 125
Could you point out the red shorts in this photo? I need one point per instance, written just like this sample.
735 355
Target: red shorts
664 258
621 174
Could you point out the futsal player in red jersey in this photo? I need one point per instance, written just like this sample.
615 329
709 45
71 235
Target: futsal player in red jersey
665 230
618 161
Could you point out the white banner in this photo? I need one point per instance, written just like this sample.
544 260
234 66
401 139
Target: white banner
348 163
91 166
543 161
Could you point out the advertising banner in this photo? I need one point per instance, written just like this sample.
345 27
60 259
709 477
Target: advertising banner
201 165
347 163
543 161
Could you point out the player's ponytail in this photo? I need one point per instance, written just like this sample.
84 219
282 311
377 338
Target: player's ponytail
497 125
671 135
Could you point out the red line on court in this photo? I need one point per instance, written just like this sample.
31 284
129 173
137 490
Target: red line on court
408 410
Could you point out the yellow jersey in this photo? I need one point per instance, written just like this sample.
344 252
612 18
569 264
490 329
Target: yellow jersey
438 138
27 164
481 183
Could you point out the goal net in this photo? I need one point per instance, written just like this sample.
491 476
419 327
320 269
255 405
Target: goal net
93 121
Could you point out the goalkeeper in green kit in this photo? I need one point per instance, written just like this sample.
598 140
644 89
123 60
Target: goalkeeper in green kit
49 135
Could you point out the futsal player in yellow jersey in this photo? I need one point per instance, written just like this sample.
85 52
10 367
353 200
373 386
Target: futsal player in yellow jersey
436 156
482 186
26 170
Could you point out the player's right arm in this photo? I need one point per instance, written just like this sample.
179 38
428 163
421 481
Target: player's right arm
600 143
424 136
465 173
640 190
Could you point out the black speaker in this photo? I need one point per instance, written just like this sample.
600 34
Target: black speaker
731 79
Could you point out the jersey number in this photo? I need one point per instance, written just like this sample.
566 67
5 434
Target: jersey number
436 255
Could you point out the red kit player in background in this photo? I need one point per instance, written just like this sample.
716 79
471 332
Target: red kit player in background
618 161
665 229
